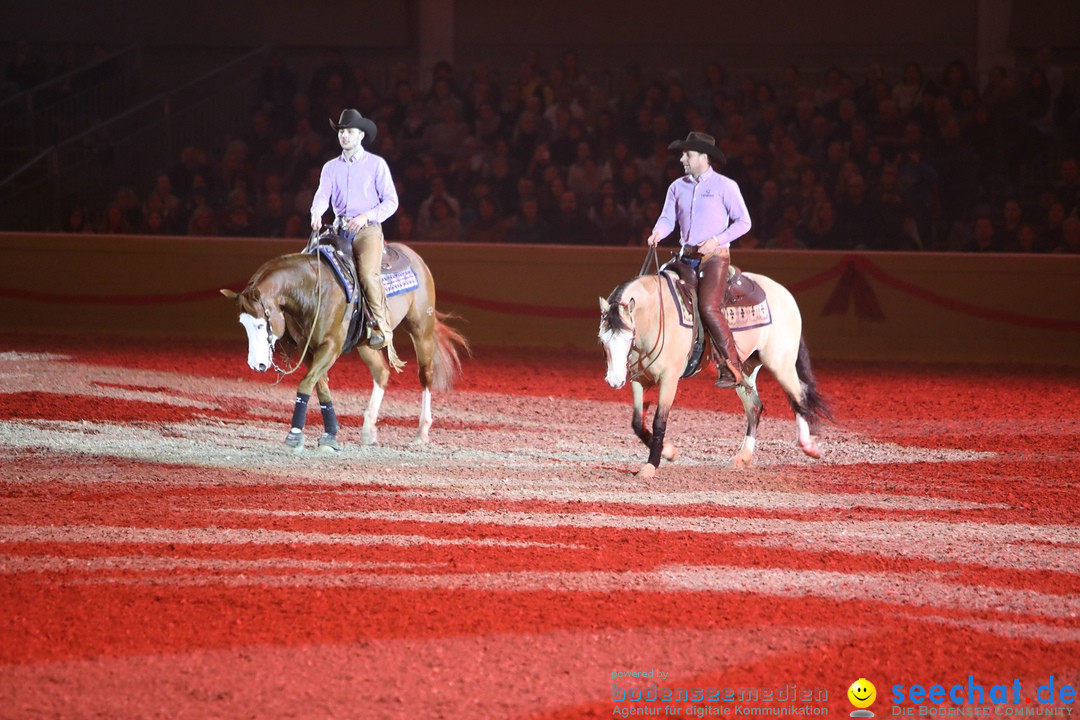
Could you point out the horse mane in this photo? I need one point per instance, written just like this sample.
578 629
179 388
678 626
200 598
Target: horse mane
613 318
268 274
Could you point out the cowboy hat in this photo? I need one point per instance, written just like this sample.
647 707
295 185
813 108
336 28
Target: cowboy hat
702 143
353 119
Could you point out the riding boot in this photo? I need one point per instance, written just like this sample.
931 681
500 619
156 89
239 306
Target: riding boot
712 284
730 373
368 250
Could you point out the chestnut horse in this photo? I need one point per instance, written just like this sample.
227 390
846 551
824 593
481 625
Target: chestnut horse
643 332
297 298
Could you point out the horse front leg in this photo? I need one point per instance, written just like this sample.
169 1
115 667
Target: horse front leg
323 358
328 440
657 447
669 451
754 410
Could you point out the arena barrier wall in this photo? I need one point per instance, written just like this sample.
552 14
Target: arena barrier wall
856 306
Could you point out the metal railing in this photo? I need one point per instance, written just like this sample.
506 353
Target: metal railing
129 149
46 114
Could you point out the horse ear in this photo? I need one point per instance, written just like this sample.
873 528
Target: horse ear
229 293
630 305
604 305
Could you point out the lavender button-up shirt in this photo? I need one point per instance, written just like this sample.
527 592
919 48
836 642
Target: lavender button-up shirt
710 206
360 185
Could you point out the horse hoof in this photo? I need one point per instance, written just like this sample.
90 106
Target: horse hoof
670 452
328 443
295 440
647 470
811 449
419 441
741 462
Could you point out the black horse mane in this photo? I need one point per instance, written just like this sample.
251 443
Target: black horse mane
614 319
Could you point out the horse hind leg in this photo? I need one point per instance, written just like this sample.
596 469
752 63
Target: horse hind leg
424 345
751 401
380 376
804 400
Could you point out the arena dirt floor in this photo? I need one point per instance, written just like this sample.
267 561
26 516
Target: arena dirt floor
164 555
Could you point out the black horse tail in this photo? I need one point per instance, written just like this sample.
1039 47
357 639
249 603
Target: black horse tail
446 365
813 406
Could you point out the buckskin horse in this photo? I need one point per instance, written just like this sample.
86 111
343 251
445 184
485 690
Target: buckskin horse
300 299
648 329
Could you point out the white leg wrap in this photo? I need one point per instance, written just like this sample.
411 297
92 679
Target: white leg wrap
802 430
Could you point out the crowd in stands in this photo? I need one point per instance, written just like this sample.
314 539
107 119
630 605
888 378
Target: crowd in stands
882 159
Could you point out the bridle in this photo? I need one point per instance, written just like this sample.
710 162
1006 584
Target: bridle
271 340
658 346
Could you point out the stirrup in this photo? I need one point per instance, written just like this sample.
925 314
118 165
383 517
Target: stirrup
377 341
726 378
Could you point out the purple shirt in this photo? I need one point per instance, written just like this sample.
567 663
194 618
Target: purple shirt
710 206
359 186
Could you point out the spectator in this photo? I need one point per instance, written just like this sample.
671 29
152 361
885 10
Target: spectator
1027 241
76 222
1070 244
1053 226
611 221
860 220
528 227
907 94
488 226
821 232
570 226
786 238
438 194
985 239
203 222
440 223
445 138
1011 222
270 221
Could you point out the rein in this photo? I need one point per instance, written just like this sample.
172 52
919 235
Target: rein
318 306
658 346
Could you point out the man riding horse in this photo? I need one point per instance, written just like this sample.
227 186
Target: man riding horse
711 214
358 186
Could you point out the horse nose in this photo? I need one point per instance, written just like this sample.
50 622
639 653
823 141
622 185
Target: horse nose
616 383
261 367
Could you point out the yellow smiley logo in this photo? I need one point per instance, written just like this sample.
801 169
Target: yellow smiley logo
862 693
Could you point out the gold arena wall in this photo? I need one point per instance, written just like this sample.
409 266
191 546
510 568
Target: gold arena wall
855 306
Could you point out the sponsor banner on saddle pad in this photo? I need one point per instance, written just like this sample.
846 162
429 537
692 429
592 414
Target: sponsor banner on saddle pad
400 282
748 317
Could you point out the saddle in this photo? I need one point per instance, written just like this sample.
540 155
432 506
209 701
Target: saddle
745 305
395 271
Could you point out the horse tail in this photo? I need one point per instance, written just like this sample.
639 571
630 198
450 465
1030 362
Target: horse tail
446 363
813 405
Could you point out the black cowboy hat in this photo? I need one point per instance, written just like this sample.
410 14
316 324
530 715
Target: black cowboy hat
702 143
353 119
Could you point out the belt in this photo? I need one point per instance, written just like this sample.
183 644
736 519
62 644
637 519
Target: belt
340 221
691 251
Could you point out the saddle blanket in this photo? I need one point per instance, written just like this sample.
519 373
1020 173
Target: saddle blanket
748 317
396 281
686 315
399 282
326 252
745 316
